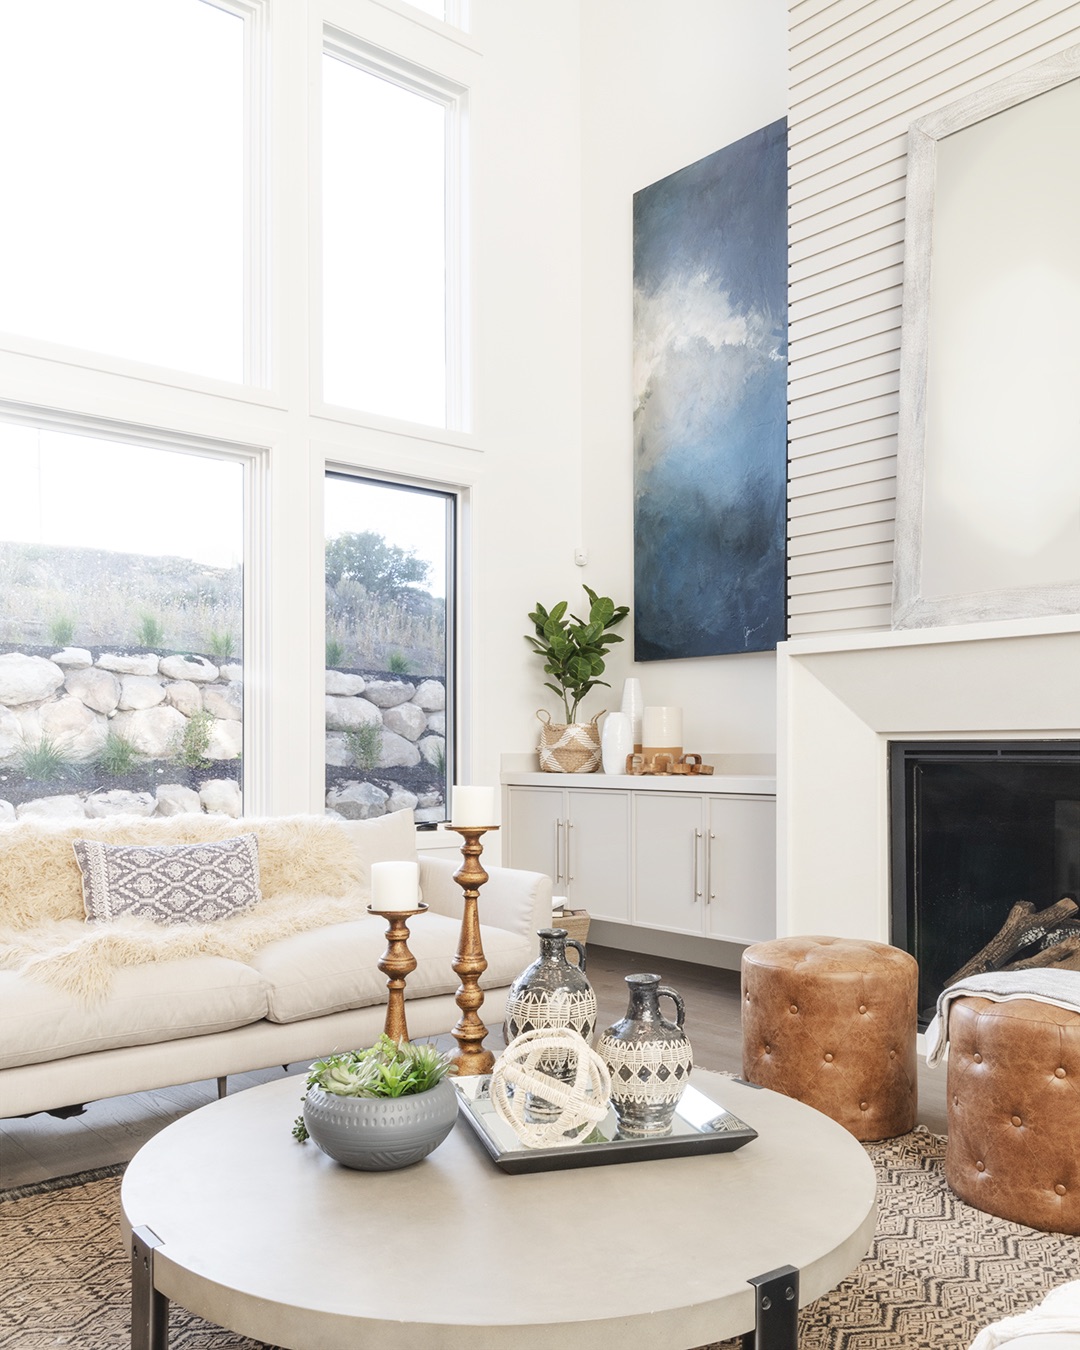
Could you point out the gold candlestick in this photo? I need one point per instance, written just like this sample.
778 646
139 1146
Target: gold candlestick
397 962
470 963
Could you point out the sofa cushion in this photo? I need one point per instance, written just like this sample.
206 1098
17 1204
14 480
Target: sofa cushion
332 969
162 1001
169 883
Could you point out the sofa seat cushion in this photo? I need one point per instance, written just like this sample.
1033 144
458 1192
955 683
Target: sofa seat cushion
159 1001
333 969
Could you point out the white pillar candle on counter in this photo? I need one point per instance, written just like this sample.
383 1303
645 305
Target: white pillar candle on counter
472 806
395 886
661 728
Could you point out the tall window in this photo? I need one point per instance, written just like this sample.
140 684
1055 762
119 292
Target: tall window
389 676
121 627
122 159
386 267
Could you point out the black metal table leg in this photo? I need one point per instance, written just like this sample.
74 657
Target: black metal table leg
776 1311
149 1308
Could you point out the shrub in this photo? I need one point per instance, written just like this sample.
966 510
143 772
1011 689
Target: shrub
193 742
61 630
398 664
365 745
118 756
44 761
150 632
221 646
335 653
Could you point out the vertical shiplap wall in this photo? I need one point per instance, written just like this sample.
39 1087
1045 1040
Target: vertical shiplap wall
861 71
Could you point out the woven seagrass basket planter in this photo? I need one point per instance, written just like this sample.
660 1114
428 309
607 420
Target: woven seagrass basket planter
569 747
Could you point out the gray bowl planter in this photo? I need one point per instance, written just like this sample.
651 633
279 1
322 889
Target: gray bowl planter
378 1134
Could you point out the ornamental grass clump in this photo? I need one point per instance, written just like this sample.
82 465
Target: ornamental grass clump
385 1069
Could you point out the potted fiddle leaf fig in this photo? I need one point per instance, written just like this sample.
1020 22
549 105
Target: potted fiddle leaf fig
381 1108
574 652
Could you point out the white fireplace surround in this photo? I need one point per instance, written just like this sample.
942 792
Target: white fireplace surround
843 699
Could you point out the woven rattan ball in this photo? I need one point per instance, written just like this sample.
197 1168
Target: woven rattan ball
581 1099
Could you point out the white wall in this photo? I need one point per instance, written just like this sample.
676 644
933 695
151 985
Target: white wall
662 86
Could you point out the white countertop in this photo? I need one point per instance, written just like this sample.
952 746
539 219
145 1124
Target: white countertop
750 774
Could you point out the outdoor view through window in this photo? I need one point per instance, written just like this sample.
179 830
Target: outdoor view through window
389 697
121 628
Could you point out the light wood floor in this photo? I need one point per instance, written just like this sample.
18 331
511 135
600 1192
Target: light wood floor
111 1131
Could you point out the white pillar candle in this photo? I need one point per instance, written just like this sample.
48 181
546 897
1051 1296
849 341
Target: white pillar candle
395 886
661 727
473 806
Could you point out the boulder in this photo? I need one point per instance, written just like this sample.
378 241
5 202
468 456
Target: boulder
27 679
429 815
76 731
337 752
65 805
401 800
7 811
226 740
430 695
221 796
346 714
224 700
388 693
357 801
145 663
119 803
232 671
154 732
185 696
173 799
436 722
406 720
338 682
140 691
433 750
73 658
188 668
397 752
11 737
430 799
98 689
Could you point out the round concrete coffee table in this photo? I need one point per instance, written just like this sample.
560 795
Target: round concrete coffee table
235 1221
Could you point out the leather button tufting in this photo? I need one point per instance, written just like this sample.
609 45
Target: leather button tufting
892 1054
828 1058
1059 1073
862 1007
1059 1189
863 1106
1016 1120
794 1007
980 1167
977 1057
768 1049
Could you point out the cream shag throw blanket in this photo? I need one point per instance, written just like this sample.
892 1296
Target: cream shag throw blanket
311 874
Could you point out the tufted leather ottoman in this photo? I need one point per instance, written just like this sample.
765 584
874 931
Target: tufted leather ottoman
831 1022
1014 1111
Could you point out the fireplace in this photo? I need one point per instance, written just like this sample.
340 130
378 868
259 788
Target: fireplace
976 826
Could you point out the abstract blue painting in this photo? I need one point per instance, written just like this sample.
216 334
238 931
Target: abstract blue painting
710 414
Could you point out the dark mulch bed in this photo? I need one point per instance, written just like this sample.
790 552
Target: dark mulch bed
16 787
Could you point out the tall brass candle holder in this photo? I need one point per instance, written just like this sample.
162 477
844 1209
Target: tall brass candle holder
397 962
470 962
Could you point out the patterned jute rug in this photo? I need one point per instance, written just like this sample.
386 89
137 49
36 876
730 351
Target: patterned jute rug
938 1271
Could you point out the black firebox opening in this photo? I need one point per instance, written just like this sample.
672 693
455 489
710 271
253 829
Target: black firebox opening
974 828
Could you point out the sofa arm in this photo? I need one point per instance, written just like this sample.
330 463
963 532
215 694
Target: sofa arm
517 901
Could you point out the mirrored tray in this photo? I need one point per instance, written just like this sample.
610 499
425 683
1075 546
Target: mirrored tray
701 1125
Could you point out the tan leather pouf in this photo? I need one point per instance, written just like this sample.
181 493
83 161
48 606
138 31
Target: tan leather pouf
832 1022
1014 1111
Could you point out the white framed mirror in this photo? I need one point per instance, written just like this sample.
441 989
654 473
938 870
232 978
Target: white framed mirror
988 460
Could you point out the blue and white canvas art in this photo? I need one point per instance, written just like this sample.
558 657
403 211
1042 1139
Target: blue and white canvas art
710 415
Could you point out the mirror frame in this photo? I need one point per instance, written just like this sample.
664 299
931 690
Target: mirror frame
910 609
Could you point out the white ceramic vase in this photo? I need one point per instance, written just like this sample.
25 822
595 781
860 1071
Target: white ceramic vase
616 742
633 704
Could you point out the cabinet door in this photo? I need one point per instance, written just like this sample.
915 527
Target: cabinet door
598 853
741 870
669 861
536 829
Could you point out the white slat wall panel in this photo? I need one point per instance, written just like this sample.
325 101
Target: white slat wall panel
861 71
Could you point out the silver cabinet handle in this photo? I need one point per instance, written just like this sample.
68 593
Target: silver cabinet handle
710 893
569 874
697 867
558 851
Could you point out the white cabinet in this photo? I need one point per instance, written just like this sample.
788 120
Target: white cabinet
664 854
581 839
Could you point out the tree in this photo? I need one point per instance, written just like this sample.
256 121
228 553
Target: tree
383 569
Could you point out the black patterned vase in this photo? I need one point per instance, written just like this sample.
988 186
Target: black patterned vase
648 1057
552 992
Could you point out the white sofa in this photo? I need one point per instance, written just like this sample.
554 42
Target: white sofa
160 1019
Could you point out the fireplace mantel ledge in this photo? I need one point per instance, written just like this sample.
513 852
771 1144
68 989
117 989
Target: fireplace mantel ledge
924 637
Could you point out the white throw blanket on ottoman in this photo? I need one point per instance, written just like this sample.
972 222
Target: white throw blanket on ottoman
1053 1325
1060 987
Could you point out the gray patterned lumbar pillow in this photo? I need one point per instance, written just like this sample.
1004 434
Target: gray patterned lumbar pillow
181 883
